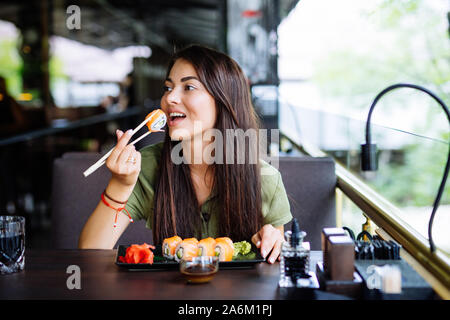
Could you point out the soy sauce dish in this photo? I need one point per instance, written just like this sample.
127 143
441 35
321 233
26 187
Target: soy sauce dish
199 269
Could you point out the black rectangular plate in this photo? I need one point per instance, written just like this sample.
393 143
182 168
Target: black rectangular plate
162 263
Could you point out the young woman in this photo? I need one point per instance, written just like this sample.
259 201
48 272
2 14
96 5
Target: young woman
205 91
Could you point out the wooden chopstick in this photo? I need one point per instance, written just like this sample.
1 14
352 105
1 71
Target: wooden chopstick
102 160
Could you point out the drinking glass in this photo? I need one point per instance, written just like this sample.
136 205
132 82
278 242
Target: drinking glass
12 244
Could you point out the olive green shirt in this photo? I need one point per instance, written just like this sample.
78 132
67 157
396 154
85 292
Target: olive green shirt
275 205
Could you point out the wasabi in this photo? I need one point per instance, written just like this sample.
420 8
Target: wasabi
242 248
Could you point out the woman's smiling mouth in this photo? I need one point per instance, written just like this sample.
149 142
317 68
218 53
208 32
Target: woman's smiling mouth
175 118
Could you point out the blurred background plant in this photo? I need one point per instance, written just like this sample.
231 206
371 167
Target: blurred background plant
349 52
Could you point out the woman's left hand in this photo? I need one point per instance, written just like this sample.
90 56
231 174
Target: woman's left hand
269 239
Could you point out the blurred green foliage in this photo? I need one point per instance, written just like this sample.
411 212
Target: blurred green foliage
415 181
10 66
413 47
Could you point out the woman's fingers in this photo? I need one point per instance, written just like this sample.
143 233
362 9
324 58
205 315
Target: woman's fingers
119 134
276 250
271 241
137 155
126 160
121 144
135 165
256 239
267 239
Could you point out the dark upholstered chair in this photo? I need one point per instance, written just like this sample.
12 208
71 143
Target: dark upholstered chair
310 184
75 197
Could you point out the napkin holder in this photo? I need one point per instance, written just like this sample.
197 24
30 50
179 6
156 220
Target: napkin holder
336 273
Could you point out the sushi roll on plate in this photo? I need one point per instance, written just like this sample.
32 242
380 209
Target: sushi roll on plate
169 245
188 248
206 247
224 249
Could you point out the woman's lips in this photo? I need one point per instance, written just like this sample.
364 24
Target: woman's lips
175 121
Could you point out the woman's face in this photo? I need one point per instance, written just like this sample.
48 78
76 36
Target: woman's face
189 107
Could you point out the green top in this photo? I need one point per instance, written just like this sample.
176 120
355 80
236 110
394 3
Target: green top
275 204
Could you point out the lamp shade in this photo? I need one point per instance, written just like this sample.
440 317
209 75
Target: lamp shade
369 157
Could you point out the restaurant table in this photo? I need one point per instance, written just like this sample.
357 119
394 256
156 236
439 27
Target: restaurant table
46 277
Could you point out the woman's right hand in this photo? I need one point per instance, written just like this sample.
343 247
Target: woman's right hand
98 232
124 162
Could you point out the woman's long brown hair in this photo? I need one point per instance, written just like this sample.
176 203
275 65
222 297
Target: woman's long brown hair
238 186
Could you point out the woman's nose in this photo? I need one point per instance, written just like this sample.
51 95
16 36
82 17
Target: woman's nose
173 97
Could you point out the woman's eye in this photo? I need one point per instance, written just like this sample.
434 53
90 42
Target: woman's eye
167 88
189 87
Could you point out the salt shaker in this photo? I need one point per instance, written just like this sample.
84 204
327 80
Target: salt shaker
294 265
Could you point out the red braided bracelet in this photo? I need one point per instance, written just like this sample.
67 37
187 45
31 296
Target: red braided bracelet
106 195
116 209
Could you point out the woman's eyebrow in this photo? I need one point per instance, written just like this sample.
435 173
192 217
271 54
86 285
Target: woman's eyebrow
184 79
189 78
